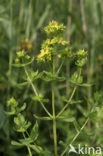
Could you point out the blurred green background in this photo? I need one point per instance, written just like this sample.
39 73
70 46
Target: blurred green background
25 19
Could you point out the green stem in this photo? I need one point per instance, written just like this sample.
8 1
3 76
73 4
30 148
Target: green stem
69 22
60 67
29 150
75 137
67 103
35 91
54 117
69 98
30 154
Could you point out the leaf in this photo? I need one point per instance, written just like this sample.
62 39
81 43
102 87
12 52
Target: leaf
22 108
93 115
82 110
38 76
36 148
34 132
65 119
85 85
22 84
23 65
76 83
10 113
39 98
26 141
19 120
48 76
77 127
42 118
21 124
76 78
34 74
67 101
16 143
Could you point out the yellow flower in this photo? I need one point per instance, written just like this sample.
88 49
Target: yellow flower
55 45
44 55
54 28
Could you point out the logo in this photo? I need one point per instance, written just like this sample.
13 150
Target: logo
85 149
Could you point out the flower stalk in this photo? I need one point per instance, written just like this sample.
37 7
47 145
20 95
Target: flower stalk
54 117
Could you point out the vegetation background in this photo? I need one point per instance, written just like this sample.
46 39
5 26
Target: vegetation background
25 19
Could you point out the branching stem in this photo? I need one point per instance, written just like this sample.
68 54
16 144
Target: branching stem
29 150
36 93
75 137
73 92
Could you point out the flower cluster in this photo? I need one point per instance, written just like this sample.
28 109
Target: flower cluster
54 28
55 40
55 45
81 58
25 45
22 57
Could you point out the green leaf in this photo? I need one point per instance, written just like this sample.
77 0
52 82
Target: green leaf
36 148
22 108
85 85
93 115
21 124
10 113
65 119
34 74
82 110
34 132
38 76
16 143
22 84
48 76
76 125
23 65
39 98
76 83
26 141
42 118
19 120
67 101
